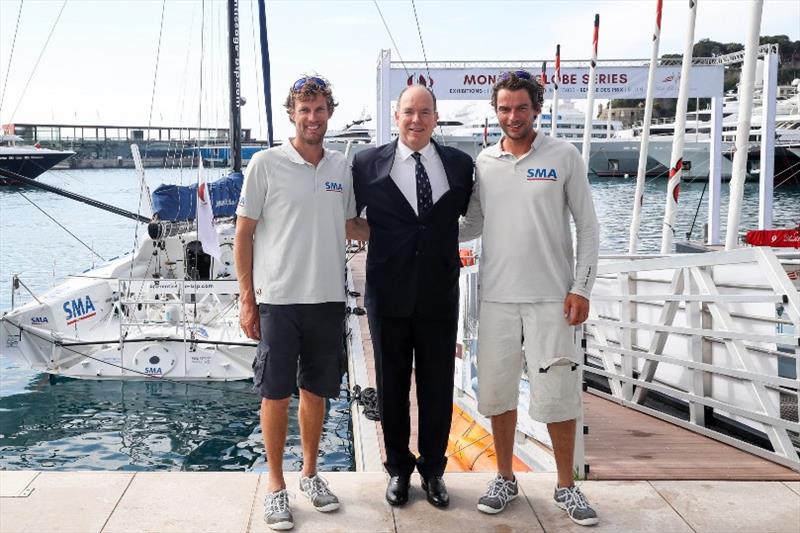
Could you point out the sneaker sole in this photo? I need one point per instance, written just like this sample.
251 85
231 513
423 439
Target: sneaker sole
584 522
491 510
328 508
281 526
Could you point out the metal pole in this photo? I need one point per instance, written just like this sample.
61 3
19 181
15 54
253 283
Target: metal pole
714 170
676 160
543 81
234 84
383 125
556 81
746 82
589 120
265 71
641 174
767 171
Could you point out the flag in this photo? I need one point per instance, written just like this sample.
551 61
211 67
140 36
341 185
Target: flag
205 226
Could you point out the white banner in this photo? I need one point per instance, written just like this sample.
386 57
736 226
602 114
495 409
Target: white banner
610 82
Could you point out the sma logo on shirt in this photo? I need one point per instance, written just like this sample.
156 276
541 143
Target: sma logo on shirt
332 186
536 174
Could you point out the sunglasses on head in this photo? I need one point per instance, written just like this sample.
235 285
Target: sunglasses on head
299 84
521 74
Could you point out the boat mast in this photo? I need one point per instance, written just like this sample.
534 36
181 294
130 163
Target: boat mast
556 81
676 160
739 170
262 23
543 83
589 119
641 173
234 80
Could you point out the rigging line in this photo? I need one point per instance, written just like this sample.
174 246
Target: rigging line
36 65
60 225
421 42
255 67
155 74
396 49
697 211
427 67
8 69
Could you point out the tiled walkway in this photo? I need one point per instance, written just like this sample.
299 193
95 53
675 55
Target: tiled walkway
232 502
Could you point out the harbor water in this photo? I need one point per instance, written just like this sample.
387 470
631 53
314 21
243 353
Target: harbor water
64 424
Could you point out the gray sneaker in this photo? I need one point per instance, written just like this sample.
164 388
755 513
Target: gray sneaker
572 500
499 492
277 513
316 489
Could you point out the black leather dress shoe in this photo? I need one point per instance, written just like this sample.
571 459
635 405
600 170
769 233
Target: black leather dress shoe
397 490
436 490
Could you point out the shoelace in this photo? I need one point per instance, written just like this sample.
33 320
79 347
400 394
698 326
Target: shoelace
575 498
277 503
499 488
318 486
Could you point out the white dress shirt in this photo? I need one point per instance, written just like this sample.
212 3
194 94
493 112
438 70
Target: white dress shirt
403 172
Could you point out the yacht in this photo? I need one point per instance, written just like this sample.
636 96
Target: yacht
25 160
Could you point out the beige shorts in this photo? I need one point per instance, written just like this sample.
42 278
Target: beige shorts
550 354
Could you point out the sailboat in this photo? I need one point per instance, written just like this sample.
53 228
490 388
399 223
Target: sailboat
167 310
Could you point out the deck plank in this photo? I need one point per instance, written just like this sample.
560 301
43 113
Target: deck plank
625 444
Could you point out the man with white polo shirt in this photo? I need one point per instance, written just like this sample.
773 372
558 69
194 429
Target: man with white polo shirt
533 290
290 258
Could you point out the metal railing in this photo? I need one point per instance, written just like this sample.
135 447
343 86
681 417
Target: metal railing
716 331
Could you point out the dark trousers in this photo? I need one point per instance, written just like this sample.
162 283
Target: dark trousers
428 344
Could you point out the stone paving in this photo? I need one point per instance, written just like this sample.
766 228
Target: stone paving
221 502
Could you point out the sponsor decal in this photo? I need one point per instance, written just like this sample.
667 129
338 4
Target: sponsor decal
153 370
333 186
78 309
542 174
39 320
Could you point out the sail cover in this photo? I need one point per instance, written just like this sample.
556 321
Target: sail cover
177 203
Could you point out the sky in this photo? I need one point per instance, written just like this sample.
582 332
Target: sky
99 65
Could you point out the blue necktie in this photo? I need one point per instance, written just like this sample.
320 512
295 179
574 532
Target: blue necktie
424 193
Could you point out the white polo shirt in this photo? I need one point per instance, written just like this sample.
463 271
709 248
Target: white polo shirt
298 247
522 207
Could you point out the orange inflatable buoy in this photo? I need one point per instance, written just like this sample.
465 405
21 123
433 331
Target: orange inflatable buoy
467 257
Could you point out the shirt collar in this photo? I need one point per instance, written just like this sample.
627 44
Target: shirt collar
497 151
404 152
295 157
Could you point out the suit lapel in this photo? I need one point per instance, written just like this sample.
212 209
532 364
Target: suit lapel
383 168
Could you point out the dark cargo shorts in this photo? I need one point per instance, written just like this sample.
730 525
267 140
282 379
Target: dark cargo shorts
302 345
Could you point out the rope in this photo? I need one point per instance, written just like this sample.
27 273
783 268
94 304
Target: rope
13 42
38 59
697 211
61 225
396 49
155 75
425 58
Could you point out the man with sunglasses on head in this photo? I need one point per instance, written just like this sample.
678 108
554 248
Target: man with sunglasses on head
414 191
533 291
290 258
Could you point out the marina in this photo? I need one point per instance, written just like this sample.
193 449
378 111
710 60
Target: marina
125 379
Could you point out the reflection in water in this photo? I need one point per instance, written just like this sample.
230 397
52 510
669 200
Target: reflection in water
67 424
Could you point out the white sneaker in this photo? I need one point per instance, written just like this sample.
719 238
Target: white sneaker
277 513
316 489
499 492
572 500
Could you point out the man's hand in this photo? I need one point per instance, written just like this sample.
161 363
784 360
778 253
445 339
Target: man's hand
576 309
249 320
357 229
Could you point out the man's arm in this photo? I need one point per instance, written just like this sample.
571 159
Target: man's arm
587 230
243 257
470 226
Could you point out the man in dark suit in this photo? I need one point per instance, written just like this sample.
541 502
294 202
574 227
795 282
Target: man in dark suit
414 191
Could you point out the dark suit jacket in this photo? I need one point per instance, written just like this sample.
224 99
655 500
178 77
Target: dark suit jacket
413 262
